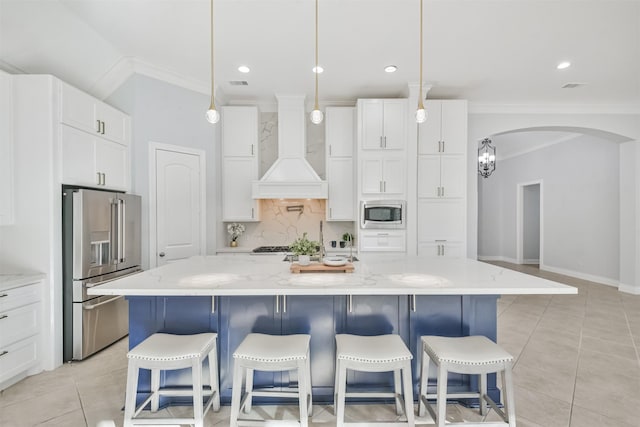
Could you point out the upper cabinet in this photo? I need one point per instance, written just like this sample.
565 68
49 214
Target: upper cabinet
445 131
383 123
6 149
340 144
239 163
84 112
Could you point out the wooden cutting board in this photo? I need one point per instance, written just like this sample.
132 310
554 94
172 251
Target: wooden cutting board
321 268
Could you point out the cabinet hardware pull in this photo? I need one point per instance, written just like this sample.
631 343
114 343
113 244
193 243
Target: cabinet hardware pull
442 250
3 353
4 316
443 146
284 303
329 150
385 141
213 304
350 303
277 303
380 186
413 303
252 213
383 234
252 149
99 177
98 130
330 212
384 186
442 191
104 178
161 254
93 306
4 295
103 128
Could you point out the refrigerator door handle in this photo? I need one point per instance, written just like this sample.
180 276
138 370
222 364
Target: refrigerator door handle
115 233
122 230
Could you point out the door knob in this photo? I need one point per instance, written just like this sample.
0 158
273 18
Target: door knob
161 254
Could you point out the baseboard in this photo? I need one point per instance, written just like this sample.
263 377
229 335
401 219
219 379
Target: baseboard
634 290
531 261
496 258
584 276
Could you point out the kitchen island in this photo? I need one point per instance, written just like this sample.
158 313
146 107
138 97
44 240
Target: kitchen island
404 295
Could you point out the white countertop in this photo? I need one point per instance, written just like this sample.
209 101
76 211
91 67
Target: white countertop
15 279
375 274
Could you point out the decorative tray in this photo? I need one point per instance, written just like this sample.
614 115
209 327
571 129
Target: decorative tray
321 268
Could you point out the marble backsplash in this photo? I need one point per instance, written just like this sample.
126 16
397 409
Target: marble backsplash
279 226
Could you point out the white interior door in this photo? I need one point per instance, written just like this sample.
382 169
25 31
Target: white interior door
179 205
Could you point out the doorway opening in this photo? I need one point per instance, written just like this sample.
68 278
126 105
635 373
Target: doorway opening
529 222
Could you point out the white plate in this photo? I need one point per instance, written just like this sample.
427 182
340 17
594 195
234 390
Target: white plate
334 261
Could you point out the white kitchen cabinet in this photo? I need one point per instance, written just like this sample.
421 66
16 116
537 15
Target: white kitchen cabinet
84 112
442 220
340 144
239 131
89 160
237 204
239 163
6 149
445 130
441 176
382 124
382 240
383 176
443 248
20 312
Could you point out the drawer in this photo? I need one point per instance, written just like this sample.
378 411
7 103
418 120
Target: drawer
19 323
18 357
16 297
382 241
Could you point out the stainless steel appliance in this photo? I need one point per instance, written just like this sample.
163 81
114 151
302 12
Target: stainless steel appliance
383 214
101 242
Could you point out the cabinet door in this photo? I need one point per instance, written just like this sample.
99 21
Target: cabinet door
239 131
372 116
340 131
393 176
429 135
78 109
383 241
454 127
429 176
452 176
341 202
237 175
394 124
78 157
372 176
442 220
112 160
442 248
114 123
6 149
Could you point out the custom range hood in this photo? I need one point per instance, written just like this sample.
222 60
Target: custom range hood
291 176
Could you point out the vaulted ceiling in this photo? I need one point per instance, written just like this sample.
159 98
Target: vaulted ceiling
486 51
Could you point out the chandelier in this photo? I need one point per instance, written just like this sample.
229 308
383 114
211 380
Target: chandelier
486 158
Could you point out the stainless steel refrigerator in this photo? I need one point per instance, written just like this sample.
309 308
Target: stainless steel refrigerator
101 242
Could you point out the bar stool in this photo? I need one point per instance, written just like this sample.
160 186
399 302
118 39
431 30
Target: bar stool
380 353
271 353
476 355
161 352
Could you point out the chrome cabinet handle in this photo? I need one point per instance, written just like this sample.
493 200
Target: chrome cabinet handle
284 303
4 316
213 304
4 295
350 303
252 149
99 178
385 142
277 303
252 217
329 150
3 353
413 303
161 254
443 146
442 191
103 128
384 186
98 130
93 306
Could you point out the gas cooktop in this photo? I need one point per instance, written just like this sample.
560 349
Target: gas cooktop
270 249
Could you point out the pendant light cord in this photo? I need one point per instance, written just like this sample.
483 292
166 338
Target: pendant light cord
212 65
420 104
316 107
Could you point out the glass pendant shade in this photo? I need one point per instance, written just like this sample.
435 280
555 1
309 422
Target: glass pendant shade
212 115
421 115
316 117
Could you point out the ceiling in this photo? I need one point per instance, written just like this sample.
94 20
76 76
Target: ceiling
486 51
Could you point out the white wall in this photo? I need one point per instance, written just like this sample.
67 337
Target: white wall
531 224
580 201
164 113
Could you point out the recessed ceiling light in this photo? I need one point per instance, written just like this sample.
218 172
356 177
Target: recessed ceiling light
563 65
390 68
318 69
244 69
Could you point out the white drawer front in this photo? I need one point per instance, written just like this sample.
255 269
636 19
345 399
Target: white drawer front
17 297
18 324
18 357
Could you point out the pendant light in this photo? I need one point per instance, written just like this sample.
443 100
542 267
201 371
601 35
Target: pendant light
213 116
421 114
316 114
486 158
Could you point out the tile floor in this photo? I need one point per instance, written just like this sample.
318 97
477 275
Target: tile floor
577 364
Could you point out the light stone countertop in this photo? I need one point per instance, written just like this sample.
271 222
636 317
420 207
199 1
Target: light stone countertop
375 274
16 279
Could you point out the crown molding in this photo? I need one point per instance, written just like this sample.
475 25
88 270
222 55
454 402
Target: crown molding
482 108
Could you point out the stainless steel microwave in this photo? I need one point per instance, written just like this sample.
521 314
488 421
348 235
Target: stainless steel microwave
383 214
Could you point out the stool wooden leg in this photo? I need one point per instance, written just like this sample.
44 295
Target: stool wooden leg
249 390
424 383
397 390
341 373
302 393
507 390
236 394
131 393
408 393
309 386
155 386
441 413
213 378
483 393
196 373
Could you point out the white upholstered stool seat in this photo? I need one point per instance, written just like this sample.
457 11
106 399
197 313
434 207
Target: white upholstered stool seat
475 355
169 352
381 353
271 353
